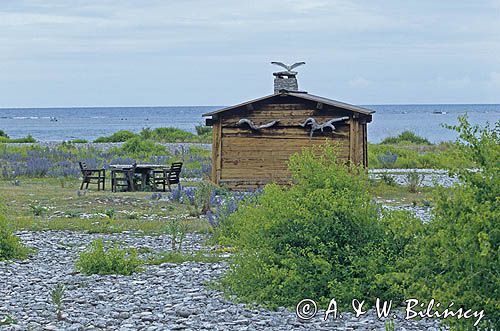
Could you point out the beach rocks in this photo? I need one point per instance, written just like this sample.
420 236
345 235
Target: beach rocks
162 297
429 177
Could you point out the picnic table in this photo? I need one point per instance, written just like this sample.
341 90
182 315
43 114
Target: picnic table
144 170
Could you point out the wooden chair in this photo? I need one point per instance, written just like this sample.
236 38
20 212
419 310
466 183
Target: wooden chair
123 178
92 176
166 177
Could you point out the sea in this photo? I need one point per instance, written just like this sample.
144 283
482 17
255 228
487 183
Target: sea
64 124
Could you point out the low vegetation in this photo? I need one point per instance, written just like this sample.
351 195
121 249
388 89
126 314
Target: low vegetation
106 261
406 137
11 247
161 135
62 161
57 295
24 140
181 257
459 250
323 237
320 238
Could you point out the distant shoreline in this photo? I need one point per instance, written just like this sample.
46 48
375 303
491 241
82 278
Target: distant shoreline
66 124
104 146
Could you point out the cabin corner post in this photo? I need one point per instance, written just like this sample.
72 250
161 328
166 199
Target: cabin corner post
365 146
216 151
352 141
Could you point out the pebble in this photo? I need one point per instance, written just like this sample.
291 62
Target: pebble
162 297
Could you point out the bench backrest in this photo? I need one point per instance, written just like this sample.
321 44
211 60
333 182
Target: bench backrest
176 166
173 175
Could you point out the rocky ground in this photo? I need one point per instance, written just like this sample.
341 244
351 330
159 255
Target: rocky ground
428 177
162 297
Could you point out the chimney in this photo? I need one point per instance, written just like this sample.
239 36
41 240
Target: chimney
286 80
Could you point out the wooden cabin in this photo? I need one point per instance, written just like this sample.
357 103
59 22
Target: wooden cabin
253 141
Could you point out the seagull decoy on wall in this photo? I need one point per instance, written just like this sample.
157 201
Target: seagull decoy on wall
288 67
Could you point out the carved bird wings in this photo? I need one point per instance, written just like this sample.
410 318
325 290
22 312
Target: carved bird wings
288 67
316 126
256 127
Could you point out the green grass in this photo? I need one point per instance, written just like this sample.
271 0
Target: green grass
399 195
440 156
63 207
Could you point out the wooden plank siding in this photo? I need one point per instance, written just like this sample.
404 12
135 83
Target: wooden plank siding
246 159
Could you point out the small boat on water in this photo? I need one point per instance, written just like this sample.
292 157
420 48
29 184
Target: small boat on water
53 119
439 112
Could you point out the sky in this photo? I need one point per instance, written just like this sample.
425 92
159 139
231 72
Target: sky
62 53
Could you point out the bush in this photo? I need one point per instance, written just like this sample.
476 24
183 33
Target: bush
414 180
407 137
79 141
10 245
458 259
117 137
140 148
3 134
25 140
442 156
172 135
320 238
114 260
203 130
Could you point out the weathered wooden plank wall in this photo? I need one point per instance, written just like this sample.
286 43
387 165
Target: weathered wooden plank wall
246 159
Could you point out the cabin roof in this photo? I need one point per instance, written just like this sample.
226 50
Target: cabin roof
301 95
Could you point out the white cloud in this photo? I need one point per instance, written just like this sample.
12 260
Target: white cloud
358 43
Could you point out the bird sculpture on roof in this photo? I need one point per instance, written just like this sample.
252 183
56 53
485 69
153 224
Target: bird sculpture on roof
288 67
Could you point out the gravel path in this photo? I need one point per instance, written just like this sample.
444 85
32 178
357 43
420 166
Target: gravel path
162 297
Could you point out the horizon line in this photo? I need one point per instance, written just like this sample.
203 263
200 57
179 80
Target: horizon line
188 106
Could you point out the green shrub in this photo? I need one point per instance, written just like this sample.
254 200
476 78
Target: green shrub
320 238
117 137
57 295
388 179
458 258
25 140
177 230
115 260
203 196
140 148
146 133
442 156
203 130
78 141
414 180
10 245
3 134
406 137
172 135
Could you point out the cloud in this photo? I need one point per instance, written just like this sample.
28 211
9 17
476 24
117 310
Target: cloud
438 47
